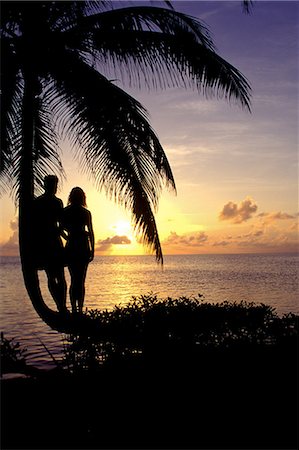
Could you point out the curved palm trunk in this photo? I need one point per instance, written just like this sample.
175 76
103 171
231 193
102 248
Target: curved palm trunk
26 194
26 197
26 236
54 319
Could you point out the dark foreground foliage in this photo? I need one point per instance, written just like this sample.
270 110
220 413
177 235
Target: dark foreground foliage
151 329
165 374
12 355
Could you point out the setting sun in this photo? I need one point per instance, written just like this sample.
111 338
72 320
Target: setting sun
149 245
122 228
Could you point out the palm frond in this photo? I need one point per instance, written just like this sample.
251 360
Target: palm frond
119 147
155 47
97 6
45 151
145 221
247 6
147 18
156 60
11 95
46 157
169 4
158 47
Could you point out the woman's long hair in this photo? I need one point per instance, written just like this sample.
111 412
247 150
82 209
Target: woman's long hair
77 197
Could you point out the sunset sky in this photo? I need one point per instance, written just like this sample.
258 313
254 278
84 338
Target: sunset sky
236 173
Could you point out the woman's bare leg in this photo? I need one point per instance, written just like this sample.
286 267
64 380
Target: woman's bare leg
77 288
81 297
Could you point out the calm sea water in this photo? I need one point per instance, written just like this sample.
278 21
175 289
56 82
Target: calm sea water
270 279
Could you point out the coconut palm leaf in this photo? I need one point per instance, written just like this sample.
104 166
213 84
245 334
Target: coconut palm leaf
247 6
147 18
11 94
56 55
46 150
158 60
117 145
159 49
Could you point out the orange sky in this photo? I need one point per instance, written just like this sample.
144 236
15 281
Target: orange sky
236 173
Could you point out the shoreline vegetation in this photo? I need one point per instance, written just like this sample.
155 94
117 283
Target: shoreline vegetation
160 373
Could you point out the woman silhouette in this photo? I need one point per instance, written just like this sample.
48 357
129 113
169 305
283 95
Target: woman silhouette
80 245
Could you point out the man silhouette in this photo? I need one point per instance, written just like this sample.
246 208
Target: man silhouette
48 244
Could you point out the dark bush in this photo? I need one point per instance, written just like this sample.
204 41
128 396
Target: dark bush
13 357
151 328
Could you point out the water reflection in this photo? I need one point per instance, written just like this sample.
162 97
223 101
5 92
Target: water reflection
271 279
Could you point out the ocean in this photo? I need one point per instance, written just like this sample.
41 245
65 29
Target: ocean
113 280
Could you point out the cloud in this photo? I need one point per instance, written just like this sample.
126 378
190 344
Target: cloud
221 243
254 234
106 244
276 242
238 213
14 224
11 246
294 226
190 240
272 217
247 239
258 233
257 241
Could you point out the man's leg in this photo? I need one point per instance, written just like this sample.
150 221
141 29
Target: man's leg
57 286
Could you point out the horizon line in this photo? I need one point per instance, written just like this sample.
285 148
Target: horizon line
184 254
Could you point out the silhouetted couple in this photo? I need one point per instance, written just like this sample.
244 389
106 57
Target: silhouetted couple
74 224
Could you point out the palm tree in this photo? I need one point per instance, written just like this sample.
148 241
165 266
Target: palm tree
55 56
